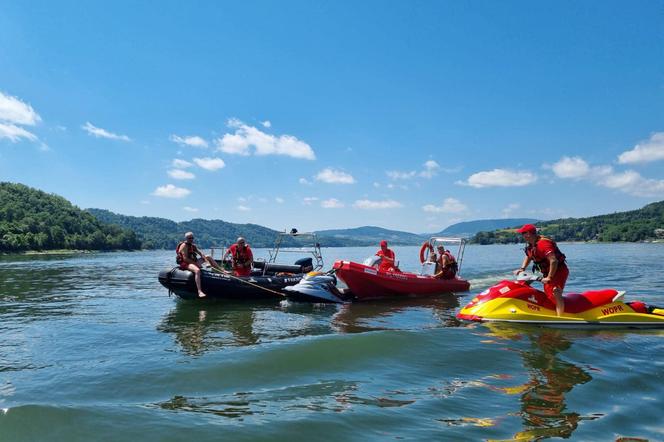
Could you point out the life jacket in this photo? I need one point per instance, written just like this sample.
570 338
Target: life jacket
240 256
543 264
190 252
452 265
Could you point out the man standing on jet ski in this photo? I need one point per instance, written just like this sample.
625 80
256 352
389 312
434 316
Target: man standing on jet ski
551 262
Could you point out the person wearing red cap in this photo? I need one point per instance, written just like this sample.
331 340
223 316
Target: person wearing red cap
551 262
387 263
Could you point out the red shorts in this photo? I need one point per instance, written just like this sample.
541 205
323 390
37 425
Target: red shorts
558 280
242 271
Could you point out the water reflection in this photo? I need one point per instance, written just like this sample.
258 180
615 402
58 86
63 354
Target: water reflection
543 407
199 327
401 314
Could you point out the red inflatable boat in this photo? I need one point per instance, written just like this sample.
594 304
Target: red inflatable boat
366 282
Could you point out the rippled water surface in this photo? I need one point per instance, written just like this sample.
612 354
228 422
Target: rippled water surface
93 348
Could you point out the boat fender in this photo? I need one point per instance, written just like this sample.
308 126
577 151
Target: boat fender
424 247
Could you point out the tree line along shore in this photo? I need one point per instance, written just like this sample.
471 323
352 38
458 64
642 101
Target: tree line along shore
33 220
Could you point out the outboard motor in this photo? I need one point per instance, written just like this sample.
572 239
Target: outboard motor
306 264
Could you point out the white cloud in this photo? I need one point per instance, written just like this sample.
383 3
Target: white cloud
499 178
266 123
170 191
574 167
193 141
14 111
332 176
211 164
646 151
450 205
430 169
507 211
181 164
14 133
279 200
190 209
633 183
242 208
308 200
373 205
246 137
304 181
180 174
397 175
13 114
331 203
629 181
98 132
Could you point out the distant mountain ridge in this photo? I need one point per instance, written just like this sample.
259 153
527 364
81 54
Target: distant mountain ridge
371 235
470 228
162 233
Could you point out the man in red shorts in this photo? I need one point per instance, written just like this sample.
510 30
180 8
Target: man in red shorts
547 256
242 257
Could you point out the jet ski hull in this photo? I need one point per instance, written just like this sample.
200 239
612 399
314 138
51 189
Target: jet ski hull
513 302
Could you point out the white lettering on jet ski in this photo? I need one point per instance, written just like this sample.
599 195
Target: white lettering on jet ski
504 290
532 299
612 310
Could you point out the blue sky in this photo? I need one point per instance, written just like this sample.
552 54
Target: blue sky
331 114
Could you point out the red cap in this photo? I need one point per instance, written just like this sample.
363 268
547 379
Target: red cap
383 243
527 228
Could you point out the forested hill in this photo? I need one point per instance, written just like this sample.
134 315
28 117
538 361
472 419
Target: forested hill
162 233
370 235
644 224
469 228
34 220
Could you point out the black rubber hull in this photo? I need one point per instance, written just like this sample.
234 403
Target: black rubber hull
217 285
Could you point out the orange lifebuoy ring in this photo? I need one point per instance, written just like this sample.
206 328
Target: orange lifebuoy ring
422 249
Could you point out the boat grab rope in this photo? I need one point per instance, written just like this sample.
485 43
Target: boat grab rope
247 282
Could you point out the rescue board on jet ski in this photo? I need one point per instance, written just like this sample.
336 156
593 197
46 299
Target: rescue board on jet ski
517 302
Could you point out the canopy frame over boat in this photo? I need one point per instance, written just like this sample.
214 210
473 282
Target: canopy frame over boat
453 244
309 245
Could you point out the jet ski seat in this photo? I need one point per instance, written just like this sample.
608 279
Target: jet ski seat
581 302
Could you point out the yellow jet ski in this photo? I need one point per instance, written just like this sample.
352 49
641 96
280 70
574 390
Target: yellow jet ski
518 302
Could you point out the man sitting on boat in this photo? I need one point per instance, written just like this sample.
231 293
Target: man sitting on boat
187 259
387 255
446 265
241 257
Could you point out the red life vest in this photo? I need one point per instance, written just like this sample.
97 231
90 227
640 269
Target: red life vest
541 262
451 268
190 252
240 256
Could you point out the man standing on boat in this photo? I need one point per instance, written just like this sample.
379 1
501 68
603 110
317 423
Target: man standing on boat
551 262
187 259
387 263
241 257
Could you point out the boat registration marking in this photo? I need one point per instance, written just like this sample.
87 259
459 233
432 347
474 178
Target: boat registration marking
504 290
371 271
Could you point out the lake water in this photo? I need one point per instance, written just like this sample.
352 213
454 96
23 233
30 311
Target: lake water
93 348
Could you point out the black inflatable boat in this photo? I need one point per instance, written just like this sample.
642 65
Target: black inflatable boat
267 279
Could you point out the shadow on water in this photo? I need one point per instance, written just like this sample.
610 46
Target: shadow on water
544 410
